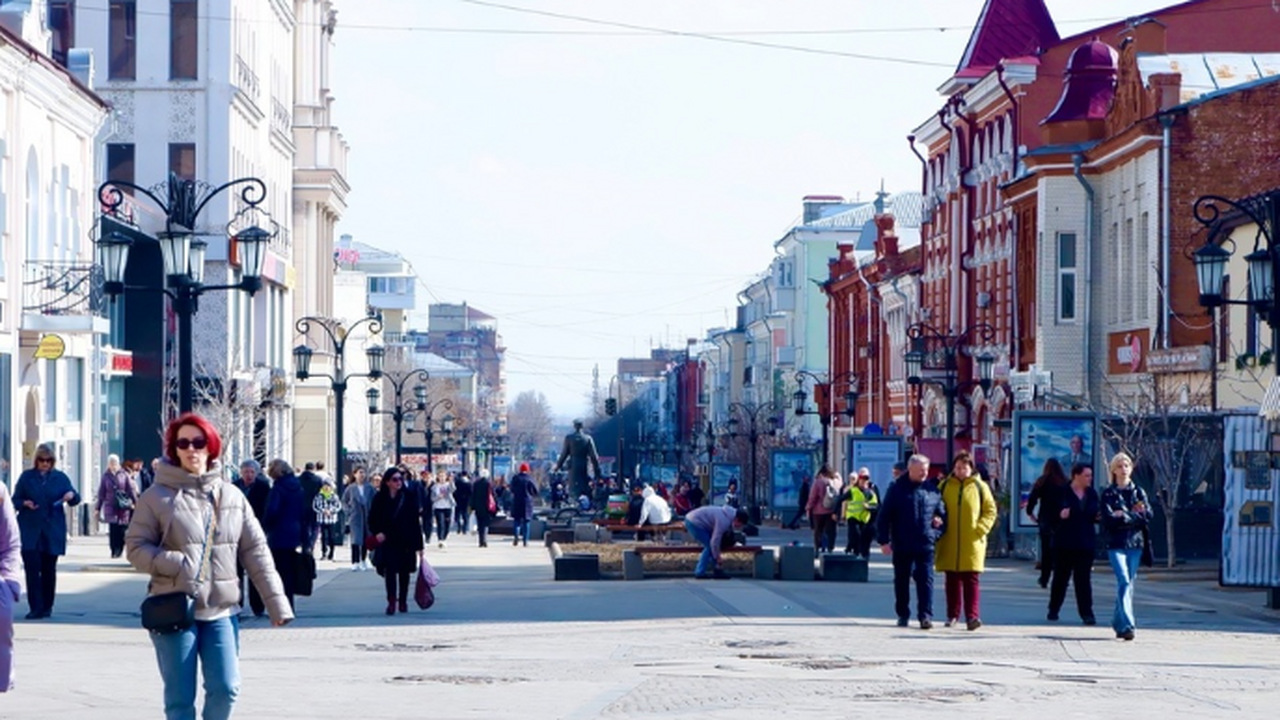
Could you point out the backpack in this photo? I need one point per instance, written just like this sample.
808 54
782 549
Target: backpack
830 496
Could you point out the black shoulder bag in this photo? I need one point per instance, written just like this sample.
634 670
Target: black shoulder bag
174 612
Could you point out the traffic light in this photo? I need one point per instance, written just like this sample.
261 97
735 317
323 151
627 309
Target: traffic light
610 406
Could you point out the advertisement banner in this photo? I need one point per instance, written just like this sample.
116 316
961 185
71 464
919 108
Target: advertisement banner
721 475
789 468
502 466
878 453
1038 436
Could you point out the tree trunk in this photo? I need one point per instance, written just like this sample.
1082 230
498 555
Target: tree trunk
1171 546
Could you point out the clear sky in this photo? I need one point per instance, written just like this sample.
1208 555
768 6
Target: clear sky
603 176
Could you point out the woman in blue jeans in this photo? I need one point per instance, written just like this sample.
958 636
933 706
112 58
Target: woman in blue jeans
187 531
1125 515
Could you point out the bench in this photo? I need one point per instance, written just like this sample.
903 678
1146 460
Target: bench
633 558
659 531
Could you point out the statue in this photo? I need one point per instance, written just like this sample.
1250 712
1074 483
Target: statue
579 449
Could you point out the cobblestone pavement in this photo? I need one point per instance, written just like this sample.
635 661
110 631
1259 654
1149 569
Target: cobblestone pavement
504 640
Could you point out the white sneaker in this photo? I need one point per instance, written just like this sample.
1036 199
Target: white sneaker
355 567
364 565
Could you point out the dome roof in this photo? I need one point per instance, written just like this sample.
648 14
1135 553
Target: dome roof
1089 85
1093 56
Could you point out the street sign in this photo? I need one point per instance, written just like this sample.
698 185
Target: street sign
51 347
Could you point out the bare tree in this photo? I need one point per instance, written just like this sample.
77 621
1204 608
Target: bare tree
1174 447
529 422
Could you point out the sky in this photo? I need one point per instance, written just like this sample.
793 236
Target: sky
603 176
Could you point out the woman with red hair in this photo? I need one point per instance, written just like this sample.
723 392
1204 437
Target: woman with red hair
187 532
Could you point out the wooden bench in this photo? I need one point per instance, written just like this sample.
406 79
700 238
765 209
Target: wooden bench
633 558
659 531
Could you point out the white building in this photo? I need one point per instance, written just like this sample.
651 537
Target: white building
52 314
204 91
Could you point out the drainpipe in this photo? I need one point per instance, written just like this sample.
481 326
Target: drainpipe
954 300
924 167
967 247
1013 173
1166 212
1077 161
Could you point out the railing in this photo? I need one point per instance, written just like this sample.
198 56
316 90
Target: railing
247 79
63 288
281 117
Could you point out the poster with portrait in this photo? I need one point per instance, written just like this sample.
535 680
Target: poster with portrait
788 469
721 475
666 474
1068 437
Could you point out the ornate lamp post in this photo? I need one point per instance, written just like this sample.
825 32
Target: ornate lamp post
401 408
1219 215
756 416
932 349
428 411
338 337
183 253
800 397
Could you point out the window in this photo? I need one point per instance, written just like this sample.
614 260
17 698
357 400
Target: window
183 41
1066 277
182 160
122 41
75 389
62 25
1143 267
120 162
1131 269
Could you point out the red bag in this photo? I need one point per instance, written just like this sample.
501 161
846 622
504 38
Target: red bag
493 506
371 542
422 593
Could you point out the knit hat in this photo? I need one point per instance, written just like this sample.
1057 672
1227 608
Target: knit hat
524 467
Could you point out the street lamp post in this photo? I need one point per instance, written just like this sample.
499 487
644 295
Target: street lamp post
184 253
1219 215
402 408
932 349
800 397
755 415
338 337
428 410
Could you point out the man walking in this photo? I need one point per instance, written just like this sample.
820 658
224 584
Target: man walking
257 490
912 518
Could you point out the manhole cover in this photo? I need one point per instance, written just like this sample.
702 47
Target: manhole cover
454 680
401 647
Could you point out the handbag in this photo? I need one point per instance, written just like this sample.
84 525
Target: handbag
422 593
123 500
171 612
1148 557
371 542
304 582
493 506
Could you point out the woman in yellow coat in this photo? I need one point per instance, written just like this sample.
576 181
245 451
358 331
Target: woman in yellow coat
962 549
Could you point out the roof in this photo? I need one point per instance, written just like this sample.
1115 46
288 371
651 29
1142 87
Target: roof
1270 408
907 209
437 365
1007 29
1207 74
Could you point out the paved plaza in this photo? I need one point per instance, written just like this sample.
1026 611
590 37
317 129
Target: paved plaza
506 641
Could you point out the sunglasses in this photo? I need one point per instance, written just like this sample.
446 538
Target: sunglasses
395 478
188 443
44 460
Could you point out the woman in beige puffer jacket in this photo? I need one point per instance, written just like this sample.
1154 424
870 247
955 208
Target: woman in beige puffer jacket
166 539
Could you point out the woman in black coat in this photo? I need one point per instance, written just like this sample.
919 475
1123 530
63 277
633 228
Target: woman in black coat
394 521
1073 544
481 496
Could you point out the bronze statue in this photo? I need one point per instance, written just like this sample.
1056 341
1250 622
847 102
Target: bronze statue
580 449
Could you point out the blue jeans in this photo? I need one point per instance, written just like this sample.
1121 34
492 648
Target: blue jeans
520 530
217 645
707 560
1124 563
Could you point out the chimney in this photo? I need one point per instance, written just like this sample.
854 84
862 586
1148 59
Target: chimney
815 204
1149 34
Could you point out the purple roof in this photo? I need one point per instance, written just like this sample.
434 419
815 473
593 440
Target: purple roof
1090 84
1007 29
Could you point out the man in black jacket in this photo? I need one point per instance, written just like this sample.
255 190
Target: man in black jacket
462 502
310 488
912 518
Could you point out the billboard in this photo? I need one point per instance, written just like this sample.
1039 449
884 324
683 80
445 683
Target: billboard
788 469
1070 437
721 474
878 453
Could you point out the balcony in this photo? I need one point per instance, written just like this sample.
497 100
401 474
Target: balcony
63 297
247 80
